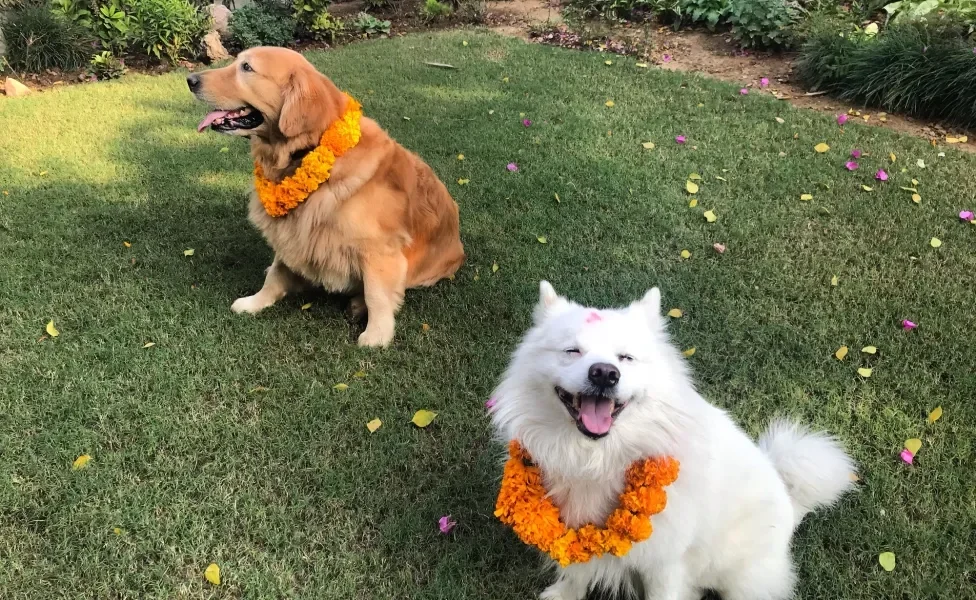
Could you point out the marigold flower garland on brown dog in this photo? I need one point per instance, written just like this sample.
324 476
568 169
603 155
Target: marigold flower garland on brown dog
524 505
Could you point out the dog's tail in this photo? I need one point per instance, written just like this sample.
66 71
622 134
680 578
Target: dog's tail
813 465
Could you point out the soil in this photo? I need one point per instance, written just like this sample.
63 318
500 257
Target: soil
712 54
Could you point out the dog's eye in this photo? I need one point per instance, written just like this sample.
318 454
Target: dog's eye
625 358
572 351
246 67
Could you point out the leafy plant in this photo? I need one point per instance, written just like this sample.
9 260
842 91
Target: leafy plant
37 39
761 23
376 5
326 28
635 10
306 11
112 25
913 10
73 10
368 25
169 29
263 23
471 11
106 65
433 10
709 12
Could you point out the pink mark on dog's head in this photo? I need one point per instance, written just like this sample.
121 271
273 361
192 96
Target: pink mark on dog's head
593 317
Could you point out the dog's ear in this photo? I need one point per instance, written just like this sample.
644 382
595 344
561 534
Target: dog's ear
650 305
304 105
548 300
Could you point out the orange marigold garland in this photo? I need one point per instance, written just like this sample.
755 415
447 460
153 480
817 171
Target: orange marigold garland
524 505
341 136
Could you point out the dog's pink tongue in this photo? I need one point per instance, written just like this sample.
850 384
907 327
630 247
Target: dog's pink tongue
596 414
210 118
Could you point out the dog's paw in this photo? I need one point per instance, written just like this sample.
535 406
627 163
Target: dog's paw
376 337
563 589
248 304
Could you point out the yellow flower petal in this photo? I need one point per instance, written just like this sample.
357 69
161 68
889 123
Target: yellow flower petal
685 254
648 145
806 196
887 561
841 353
373 425
710 216
423 418
689 352
51 329
865 372
691 187
675 313
212 574
341 387
913 445
935 242
608 103
935 415
693 203
834 280
81 462
869 350
821 147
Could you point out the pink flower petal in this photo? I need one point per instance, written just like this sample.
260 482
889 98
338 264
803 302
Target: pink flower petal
680 139
666 58
764 82
907 456
446 524
744 91
908 325
856 153
851 165
720 248
512 167
490 404
841 119
881 175
967 215
526 122
593 317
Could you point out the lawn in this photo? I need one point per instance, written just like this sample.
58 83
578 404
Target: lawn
226 442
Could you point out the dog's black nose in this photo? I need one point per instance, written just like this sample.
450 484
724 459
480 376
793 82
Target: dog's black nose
604 375
193 81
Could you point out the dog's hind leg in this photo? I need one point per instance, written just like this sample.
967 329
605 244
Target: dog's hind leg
384 278
670 582
279 281
572 584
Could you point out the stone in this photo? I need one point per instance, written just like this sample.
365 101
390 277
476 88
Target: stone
220 15
15 89
213 47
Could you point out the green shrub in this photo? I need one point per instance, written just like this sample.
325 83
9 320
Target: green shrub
915 10
433 10
374 5
368 25
106 65
761 23
38 39
927 69
75 11
266 23
113 24
326 28
170 29
471 11
634 10
306 11
709 12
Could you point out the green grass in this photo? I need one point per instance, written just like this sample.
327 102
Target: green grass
284 487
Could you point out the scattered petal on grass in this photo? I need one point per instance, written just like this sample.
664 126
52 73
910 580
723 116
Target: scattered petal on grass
359 374
841 119
881 175
675 313
693 203
720 248
865 372
920 163
212 573
720 178
666 58
834 281
225 149
608 62
642 65
680 139
908 325
526 122
856 153
780 120
341 387
425 327
149 344
256 389
806 196
744 91
841 353
689 352
851 165
306 306
648 145
542 239
423 418
446 523
460 157
867 188
907 456
188 252
935 415
935 242
463 181
691 187
490 403
957 140
893 157
685 254
913 445
694 177
710 216
608 103
966 215
464 42
494 267
127 244
373 425
81 462
51 329
914 181
869 350
764 82
117 530
512 167
887 559
916 198
406 118
821 148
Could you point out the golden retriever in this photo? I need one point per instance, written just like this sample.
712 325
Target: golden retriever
383 222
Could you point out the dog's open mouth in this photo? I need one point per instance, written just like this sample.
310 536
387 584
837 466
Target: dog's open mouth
231 120
594 414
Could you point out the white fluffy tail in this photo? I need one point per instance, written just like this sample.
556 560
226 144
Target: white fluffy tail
814 467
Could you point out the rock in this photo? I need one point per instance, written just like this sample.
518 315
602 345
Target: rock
221 18
15 89
212 46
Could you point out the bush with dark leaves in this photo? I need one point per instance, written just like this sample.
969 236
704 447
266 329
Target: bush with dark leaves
38 39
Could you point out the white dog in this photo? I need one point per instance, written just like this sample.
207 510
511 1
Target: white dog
588 392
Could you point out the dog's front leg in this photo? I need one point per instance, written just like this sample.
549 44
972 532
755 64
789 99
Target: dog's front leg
670 583
572 584
384 278
279 281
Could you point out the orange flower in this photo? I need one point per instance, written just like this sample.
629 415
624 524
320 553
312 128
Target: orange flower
524 505
316 168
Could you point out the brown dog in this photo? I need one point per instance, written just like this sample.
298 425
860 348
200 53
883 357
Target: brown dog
381 223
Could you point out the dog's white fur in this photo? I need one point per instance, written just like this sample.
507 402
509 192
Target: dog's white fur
732 511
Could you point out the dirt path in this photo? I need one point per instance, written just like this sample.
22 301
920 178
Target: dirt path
714 55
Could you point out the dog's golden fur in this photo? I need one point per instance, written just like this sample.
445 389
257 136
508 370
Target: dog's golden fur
382 223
